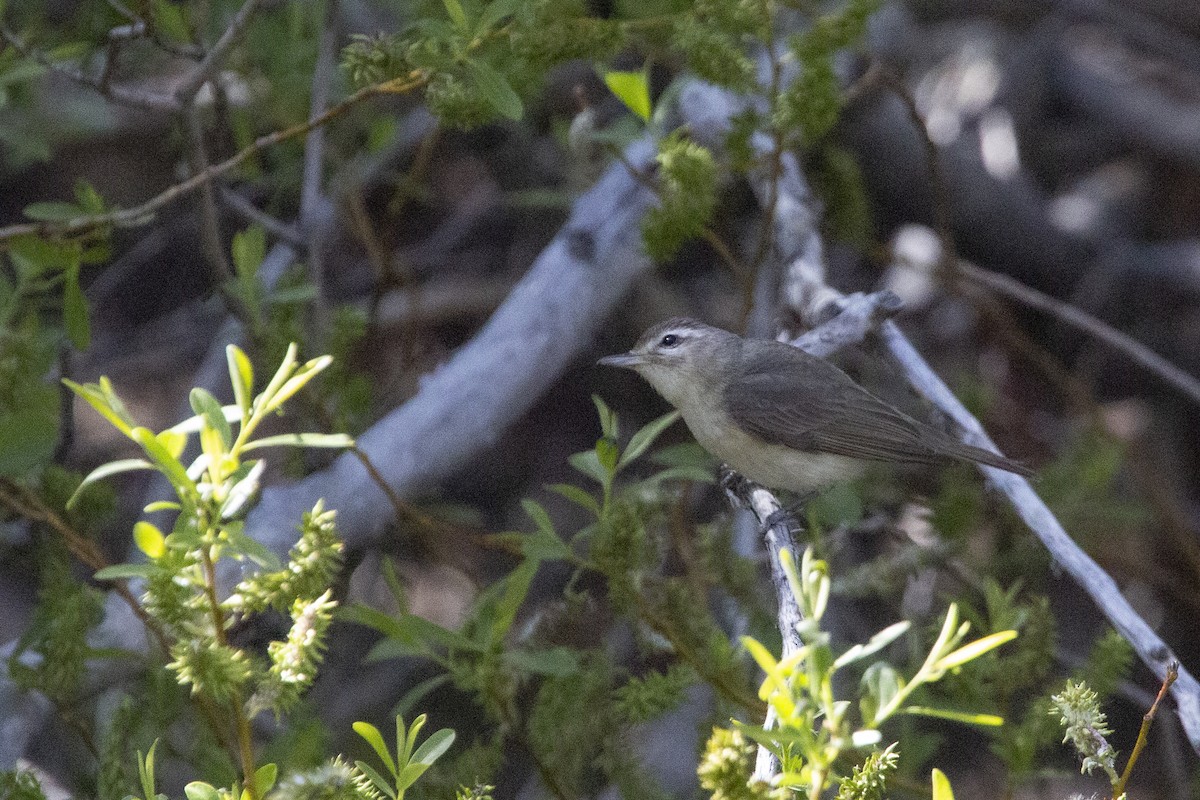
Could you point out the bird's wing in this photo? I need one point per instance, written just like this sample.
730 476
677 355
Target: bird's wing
778 403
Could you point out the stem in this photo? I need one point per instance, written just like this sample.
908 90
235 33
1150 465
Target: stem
1143 732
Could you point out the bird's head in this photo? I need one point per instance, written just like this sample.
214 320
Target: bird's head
679 357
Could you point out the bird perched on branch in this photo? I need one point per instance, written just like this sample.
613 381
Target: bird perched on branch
779 416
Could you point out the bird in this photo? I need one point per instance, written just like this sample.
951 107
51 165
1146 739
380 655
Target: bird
782 417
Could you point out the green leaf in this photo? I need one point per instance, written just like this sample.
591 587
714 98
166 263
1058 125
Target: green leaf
149 539
496 89
249 249
103 403
877 643
241 377
207 406
941 786
168 18
516 587
538 514
296 382
432 748
607 454
377 779
577 496
118 572
558 662
632 89
975 649
589 464
89 200
52 211
967 717
409 775
374 738
162 458
327 440
457 15
198 790
645 437
544 546
75 311
608 418
265 777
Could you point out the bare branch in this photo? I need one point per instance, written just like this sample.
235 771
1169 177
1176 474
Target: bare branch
123 95
1081 320
141 214
206 69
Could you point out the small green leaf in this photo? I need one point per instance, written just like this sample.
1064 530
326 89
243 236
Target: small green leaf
558 662
577 496
409 775
457 15
241 376
326 440
207 406
297 381
941 786
168 18
496 89
608 418
162 458
75 311
149 539
607 454
589 464
516 587
374 738
52 211
102 402
645 437
432 748
975 649
967 717
377 779
632 89
265 777
877 643
249 249
118 572
198 790
538 514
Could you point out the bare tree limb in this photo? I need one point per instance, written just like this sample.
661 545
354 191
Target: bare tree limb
1065 312
185 93
117 93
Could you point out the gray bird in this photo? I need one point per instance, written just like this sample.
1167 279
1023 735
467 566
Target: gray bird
779 416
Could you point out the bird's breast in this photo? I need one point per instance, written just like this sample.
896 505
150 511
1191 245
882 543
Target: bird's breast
772 465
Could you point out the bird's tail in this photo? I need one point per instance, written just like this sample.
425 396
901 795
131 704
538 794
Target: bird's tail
966 452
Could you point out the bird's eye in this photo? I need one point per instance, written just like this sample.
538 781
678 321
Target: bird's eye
670 340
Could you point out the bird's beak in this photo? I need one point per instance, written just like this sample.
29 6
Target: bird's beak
627 360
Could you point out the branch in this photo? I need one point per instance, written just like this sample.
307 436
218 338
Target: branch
123 95
206 69
1081 320
142 214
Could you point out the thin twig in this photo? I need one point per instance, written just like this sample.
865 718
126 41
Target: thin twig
1144 731
1137 352
122 95
213 243
255 215
185 93
141 214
